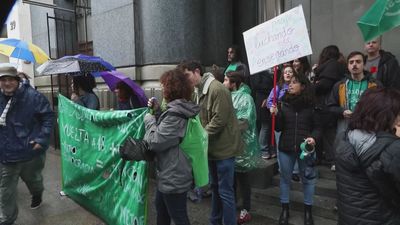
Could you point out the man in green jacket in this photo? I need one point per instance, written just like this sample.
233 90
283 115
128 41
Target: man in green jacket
219 120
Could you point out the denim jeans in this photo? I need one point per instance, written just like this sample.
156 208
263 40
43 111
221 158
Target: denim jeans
264 138
171 206
31 171
223 208
296 165
287 161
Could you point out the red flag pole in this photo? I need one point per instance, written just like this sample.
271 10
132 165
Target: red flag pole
274 103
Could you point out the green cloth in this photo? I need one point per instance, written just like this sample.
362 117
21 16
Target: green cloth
195 144
245 110
354 90
383 16
231 67
93 174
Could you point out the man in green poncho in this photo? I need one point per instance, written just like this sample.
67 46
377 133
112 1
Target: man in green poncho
246 114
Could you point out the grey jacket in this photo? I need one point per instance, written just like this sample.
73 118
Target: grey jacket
174 171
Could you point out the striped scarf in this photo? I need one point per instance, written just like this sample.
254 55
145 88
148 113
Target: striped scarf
4 114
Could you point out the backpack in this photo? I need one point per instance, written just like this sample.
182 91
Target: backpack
195 146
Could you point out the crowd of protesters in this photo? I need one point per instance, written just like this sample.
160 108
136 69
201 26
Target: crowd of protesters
343 112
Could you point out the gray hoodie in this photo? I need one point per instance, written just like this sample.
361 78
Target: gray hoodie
174 171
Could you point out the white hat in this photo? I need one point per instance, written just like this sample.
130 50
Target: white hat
8 69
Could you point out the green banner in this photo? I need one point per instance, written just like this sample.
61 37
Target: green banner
93 173
383 16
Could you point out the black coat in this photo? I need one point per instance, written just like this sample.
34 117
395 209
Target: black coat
368 185
326 75
296 123
261 85
388 70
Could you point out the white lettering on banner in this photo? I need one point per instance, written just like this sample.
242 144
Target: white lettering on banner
77 134
277 41
127 217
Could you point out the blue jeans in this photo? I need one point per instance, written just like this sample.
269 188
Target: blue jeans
264 138
171 206
287 161
223 209
296 165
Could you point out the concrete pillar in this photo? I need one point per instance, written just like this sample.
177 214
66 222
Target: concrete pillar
170 31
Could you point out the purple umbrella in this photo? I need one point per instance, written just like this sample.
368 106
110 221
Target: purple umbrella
112 78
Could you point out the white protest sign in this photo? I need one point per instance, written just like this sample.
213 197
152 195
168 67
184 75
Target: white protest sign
278 40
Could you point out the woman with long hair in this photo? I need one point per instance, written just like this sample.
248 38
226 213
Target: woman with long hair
329 70
368 161
298 122
281 88
302 66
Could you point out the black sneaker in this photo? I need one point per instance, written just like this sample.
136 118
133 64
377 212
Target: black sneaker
295 177
36 201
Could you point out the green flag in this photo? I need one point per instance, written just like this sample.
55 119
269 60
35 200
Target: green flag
93 173
383 16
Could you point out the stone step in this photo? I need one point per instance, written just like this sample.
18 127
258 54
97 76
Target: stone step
272 212
323 187
325 172
323 206
261 177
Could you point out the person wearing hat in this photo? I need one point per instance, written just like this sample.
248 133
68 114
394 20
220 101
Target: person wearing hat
26 121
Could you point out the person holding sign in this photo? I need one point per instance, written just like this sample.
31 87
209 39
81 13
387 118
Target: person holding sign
298 122
26 123
163 135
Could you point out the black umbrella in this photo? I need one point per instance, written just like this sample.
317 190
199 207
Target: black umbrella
74 65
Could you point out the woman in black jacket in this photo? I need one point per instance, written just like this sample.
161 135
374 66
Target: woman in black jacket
368 161
329 70
298 122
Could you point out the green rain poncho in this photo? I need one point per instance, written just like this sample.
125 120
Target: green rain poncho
245 110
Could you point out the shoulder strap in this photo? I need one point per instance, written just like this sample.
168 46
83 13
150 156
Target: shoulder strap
180 115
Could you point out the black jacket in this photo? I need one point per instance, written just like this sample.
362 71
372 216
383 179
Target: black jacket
261 85
326 75
368 180
297 121
388 70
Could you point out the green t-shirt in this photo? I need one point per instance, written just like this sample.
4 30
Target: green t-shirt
231 67
354 90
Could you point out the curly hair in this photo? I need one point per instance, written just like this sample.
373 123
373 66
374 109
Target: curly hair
376 111
176 85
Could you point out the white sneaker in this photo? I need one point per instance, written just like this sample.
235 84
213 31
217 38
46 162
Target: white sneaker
333 168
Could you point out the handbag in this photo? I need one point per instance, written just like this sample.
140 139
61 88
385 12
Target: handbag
136 150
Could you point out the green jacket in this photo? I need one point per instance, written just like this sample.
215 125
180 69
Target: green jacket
219 120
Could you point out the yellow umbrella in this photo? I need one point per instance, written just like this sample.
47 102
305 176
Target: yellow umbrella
22 50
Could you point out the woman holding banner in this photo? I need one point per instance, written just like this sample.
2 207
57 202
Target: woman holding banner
164 135
298 122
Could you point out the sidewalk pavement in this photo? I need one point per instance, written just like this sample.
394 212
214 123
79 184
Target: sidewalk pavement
60 210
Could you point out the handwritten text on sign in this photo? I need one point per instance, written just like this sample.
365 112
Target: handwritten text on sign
278 40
